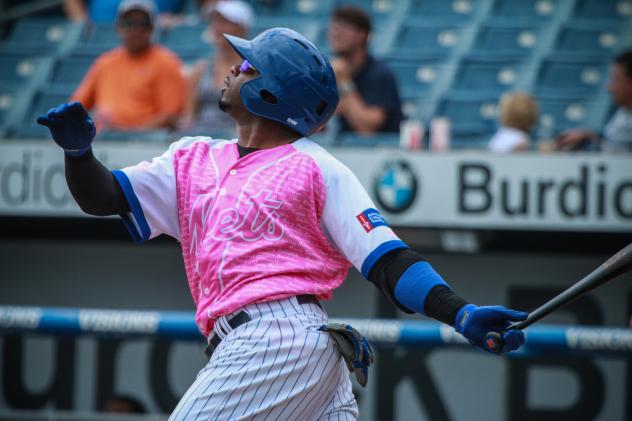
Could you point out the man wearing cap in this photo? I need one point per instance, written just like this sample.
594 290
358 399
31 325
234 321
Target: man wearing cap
201 114
369 98
137 86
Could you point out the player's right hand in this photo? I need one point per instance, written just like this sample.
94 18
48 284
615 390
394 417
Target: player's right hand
71 127
476 322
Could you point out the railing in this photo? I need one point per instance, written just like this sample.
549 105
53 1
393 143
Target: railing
574 341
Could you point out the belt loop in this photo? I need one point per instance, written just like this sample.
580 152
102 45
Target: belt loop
224 327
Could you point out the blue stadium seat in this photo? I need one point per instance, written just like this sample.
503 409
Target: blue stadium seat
420 39
13 101
42 101
577 38
488 74
292 8
20 71
603 9
442 9
415 76
579 75
560 113
524 9
97 39
507 39
188 40
69 72
471 117
41 36
308 27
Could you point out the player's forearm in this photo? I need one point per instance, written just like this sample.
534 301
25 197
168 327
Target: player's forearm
363 119
93 186
413 286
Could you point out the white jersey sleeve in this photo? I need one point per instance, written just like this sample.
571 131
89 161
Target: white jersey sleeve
150 190
350 218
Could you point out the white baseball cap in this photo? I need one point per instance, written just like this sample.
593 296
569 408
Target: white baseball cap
236 11
147 6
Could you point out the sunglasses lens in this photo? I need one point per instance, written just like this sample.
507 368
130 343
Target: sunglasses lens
142 24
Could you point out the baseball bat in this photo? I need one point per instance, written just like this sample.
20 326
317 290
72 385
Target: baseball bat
616 265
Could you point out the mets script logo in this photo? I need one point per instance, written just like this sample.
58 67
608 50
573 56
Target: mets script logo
254 219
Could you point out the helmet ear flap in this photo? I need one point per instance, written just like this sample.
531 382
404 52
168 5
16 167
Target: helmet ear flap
268 96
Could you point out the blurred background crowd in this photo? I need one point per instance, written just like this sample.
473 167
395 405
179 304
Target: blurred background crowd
502 75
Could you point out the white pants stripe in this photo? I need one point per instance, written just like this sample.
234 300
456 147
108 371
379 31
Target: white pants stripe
278 366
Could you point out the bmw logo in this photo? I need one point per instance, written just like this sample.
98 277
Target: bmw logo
395 187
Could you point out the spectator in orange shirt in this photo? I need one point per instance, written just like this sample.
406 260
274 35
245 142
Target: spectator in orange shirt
137 86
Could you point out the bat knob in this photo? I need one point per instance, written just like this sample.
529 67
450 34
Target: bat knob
493 342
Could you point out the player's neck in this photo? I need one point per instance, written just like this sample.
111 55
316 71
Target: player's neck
264 134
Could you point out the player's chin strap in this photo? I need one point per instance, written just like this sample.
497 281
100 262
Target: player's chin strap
354 348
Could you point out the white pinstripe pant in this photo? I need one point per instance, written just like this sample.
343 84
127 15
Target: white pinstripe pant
275 367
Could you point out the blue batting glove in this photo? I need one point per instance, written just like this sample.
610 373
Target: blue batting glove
475 322
71 127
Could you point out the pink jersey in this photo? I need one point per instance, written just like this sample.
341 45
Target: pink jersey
275 223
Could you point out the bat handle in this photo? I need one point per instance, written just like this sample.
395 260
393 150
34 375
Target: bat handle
494 340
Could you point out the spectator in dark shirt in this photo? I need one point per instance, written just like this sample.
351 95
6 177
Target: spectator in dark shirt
369 100
617 134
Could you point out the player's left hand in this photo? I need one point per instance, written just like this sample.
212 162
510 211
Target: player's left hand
71 127
475 322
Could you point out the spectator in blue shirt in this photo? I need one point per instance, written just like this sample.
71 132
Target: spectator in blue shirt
369 99
104 11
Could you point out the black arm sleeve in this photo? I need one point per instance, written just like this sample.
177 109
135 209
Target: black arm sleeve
441 303
93 186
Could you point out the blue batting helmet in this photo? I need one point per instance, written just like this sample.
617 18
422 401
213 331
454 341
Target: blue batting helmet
296 86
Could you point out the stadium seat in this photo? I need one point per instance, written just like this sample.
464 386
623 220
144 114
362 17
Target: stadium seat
442 9
421 39
308 27
576 38
507 39
471 117
20 71
188 40
524 9
41 36
480 73
13 101
560 113
97 39
415 76
69 72
42 101
292 8
603 9
579 75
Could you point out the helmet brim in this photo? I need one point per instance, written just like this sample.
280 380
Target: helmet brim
243 47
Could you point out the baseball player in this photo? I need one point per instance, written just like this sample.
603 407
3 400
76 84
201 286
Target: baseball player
270 224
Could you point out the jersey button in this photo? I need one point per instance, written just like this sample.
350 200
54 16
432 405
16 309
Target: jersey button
222 192
207 291
232 172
